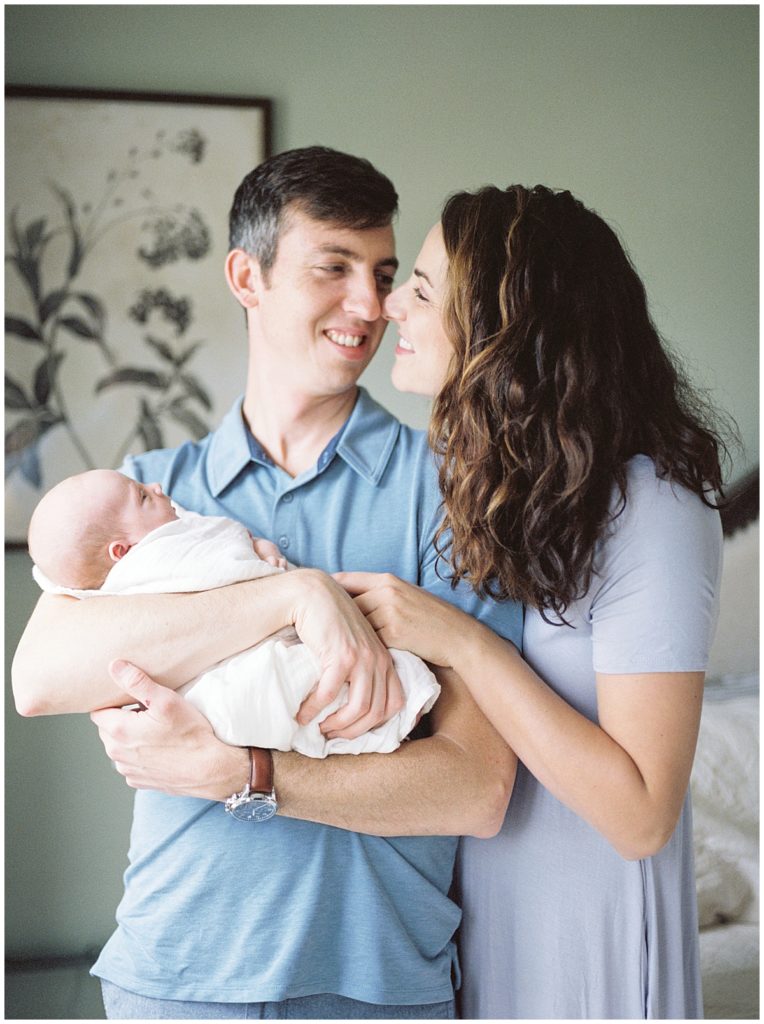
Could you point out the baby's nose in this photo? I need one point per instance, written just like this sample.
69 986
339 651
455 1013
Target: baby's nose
156 488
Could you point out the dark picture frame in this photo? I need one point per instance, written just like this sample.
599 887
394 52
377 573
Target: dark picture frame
121 335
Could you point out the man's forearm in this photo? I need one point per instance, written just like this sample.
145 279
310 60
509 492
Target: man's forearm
428 787
61 662
431 786
456 782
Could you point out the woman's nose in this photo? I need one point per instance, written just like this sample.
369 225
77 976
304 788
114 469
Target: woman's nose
393 308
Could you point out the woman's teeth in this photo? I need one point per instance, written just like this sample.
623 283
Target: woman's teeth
348 340
402 343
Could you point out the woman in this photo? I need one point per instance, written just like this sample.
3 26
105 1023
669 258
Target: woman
577 477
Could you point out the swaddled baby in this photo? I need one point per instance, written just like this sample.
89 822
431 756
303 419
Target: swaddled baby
101 533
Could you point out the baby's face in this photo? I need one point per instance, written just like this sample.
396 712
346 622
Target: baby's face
133 508
143 508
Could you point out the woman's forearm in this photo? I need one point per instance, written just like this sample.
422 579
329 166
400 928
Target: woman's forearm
62 659
627 775
569 755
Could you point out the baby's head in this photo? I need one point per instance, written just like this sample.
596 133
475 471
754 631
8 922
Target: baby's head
88 522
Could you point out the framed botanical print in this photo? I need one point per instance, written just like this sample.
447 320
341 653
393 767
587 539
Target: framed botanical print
121 334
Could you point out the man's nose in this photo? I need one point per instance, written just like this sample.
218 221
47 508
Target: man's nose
363 298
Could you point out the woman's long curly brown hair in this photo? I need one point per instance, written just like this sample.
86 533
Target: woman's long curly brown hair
558 378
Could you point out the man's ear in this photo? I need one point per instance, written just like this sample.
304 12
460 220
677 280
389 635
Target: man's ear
118 549
242 272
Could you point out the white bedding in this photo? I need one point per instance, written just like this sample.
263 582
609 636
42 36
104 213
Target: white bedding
729 963
725 792
725 798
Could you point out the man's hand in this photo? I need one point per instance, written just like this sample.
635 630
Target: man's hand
349 651
168 745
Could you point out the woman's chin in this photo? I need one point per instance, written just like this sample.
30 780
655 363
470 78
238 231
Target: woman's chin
406 380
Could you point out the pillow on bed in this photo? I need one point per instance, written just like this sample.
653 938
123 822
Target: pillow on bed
725 795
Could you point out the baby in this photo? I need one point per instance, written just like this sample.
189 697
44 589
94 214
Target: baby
101 533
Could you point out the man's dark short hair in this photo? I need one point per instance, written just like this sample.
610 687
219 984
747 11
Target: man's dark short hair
321 182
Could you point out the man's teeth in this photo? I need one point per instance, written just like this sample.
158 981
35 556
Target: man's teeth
402 343
348 340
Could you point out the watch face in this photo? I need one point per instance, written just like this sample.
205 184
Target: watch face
254 809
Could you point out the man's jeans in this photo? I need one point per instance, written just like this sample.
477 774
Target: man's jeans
123 1005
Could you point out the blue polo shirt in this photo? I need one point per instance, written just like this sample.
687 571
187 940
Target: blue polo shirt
219 910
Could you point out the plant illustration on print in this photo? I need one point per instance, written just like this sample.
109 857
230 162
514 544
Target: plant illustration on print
48 259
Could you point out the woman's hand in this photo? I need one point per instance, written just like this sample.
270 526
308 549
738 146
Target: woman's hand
407 617
331 625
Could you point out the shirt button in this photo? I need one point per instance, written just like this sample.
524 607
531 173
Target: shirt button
287 498
283 543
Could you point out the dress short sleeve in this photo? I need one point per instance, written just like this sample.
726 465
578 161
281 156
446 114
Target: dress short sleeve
654 600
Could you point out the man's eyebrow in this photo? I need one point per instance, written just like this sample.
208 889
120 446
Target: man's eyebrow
340 250
421 273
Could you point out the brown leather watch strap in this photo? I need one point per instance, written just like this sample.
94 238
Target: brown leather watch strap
260 770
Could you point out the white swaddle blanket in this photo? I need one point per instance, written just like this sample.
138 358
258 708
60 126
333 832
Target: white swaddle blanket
251 699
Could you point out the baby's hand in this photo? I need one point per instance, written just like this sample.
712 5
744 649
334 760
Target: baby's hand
268 552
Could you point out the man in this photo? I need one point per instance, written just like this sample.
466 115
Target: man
294 915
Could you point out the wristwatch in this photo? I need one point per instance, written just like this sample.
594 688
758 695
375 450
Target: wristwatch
257 801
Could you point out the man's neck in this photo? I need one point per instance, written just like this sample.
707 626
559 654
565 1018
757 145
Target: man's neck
294 428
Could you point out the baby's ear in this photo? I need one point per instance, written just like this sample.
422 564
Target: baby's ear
118 549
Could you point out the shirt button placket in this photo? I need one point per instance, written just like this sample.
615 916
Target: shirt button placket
283 521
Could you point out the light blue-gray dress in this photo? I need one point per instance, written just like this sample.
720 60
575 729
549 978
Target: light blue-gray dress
556 924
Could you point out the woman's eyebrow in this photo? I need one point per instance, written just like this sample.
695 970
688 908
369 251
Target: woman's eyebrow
421 273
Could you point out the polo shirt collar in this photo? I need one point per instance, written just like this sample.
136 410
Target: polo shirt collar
368 438
365 443
229 451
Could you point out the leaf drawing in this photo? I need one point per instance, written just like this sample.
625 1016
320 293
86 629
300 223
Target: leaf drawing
133 375
45 376
22 329
78 327
15 398
65 311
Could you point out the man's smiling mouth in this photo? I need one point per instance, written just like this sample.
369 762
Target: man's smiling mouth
346 340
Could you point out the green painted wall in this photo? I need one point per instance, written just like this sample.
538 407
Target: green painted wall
648 113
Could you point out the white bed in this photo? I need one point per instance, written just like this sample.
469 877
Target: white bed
725 790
